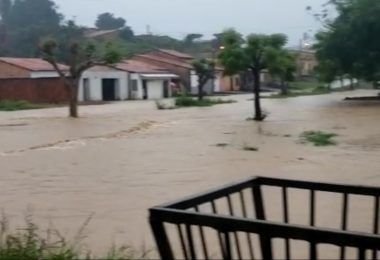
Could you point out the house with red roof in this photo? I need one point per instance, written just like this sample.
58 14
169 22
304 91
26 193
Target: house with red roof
129 79
31 79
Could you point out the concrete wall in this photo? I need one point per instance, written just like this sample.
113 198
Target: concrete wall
95 77
155 89
49 90
11 71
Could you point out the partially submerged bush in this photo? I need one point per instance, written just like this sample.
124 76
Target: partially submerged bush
318 138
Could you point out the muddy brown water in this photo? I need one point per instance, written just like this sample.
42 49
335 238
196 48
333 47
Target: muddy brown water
120 159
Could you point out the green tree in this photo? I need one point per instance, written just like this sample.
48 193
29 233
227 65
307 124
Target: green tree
190 38
205 71
24 23
108 21
258 52
80 58
350 43
283 67
126 33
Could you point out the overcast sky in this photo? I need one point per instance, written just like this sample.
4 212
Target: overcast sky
180 17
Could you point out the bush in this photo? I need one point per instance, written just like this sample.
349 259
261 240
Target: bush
9 105
28 244
318 138
185 101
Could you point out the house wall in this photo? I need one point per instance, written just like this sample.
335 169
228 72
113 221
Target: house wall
44 74
10 71
95 77
137 94
42 90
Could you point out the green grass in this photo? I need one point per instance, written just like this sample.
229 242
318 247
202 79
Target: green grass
207 102
318 138
28 243
8 105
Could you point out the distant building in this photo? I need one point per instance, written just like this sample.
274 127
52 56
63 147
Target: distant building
306 63
33 80
181 64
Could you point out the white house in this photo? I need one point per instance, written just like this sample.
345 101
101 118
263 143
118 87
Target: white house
129 79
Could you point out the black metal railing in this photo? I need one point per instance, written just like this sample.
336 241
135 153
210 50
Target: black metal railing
232 223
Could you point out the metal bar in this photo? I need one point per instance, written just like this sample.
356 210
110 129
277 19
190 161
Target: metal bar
190 241
161 238
203 240
244 210
376 223
210 195
344 223
270 228
182 240
228 255
215 211
286 219
320 186
313 245
231 210
361 254
265 241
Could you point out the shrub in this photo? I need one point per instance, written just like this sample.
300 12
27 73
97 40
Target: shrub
318 138
9 105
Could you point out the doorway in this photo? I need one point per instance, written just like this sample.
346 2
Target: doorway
166 88
109 89
145 89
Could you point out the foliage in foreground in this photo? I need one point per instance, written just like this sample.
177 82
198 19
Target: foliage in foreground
318 138
9 105
191 102
29 244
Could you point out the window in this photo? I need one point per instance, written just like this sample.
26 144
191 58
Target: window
134 85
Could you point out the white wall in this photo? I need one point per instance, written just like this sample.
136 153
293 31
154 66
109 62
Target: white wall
44 74
95 82
139 93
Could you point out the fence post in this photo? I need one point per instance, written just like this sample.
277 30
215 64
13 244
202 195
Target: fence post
265 241
161 238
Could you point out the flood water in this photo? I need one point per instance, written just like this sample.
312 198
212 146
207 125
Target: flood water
120 159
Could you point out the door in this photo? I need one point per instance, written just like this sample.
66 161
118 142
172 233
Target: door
109 89
145 89
166 88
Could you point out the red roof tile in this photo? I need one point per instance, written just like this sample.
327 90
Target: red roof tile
31 64
165 60
139 67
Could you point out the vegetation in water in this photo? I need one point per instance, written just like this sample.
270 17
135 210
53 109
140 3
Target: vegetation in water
318 138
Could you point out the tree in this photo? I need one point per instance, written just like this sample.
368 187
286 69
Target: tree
205 71
190 38
24 23
126 33
257 53
283 66
108 21
350 43
80 58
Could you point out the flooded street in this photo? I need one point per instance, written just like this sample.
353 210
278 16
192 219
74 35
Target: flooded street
120 159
